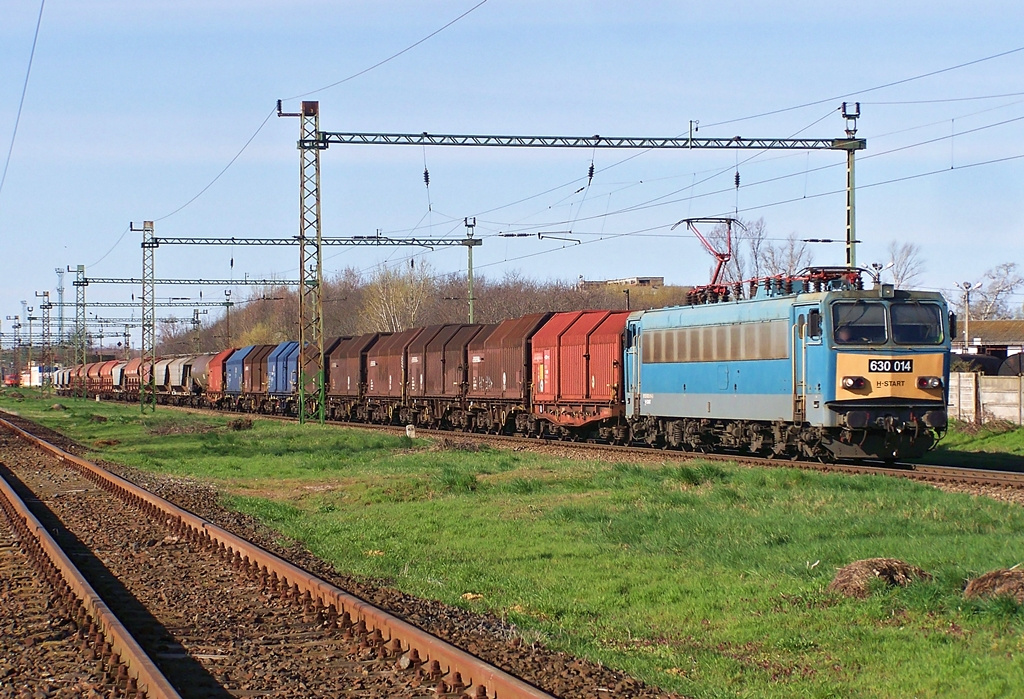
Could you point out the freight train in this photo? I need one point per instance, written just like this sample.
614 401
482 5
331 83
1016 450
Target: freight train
814 366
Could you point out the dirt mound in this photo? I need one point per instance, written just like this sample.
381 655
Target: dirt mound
853 580
240 424
998 583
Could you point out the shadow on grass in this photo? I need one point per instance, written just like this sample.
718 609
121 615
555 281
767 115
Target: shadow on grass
995 461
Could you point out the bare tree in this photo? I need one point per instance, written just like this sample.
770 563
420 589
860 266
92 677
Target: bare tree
906 263
392 300
1001 282
786 258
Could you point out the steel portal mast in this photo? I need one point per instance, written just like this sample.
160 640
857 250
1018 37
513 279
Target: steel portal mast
312 141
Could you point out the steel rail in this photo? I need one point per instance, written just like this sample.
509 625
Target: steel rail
453 661
124 650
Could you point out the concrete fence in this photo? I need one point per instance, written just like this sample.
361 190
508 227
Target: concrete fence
977 398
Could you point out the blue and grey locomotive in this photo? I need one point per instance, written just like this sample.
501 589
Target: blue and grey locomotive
813 367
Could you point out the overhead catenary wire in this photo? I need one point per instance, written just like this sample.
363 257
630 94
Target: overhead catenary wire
890 84
393 56
24 91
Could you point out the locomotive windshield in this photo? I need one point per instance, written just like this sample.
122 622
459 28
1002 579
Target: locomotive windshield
916 323
859 323
869 323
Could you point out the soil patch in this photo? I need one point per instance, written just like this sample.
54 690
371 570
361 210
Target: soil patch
242 423
854 579
998 583
446 444
176 428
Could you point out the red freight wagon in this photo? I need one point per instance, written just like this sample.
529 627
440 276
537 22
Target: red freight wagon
546 362
92 378
215 372
499 363
604 347
133 375
106 377
579 356
386 365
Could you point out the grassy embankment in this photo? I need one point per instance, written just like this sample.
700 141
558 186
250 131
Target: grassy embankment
699 578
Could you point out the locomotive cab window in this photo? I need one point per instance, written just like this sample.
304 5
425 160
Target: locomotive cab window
916 323
858 323
814 324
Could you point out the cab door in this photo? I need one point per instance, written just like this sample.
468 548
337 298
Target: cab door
631 371
805 344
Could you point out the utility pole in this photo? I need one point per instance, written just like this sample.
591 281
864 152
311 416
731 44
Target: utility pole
196 326
967 288
851 116
227 313
470 242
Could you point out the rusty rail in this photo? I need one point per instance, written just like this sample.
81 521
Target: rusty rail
462 670
117 648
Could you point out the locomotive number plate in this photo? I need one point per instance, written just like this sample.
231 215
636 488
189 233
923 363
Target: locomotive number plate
891 366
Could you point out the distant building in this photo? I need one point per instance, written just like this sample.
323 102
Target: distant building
650 282
999 338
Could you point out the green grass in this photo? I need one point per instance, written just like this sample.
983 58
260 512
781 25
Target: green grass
701 578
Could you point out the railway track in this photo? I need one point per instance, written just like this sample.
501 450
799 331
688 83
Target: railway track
965 476
167 604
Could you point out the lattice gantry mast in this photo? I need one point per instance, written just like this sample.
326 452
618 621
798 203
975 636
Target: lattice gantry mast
312 141
147 387
80 339
47 373
311 324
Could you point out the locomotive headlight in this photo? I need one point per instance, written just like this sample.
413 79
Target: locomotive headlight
853 382
929 382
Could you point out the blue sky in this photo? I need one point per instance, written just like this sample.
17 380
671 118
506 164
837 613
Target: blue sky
133 108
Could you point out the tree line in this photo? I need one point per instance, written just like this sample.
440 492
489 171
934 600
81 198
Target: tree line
390 299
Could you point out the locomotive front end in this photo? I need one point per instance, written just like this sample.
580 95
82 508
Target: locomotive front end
891 369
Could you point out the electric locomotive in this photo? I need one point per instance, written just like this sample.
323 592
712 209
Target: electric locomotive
810 367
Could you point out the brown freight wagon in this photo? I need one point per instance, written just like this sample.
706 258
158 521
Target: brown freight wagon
438 376
106 380
387 375
346 376
133 377
254 369
499 374
92 378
